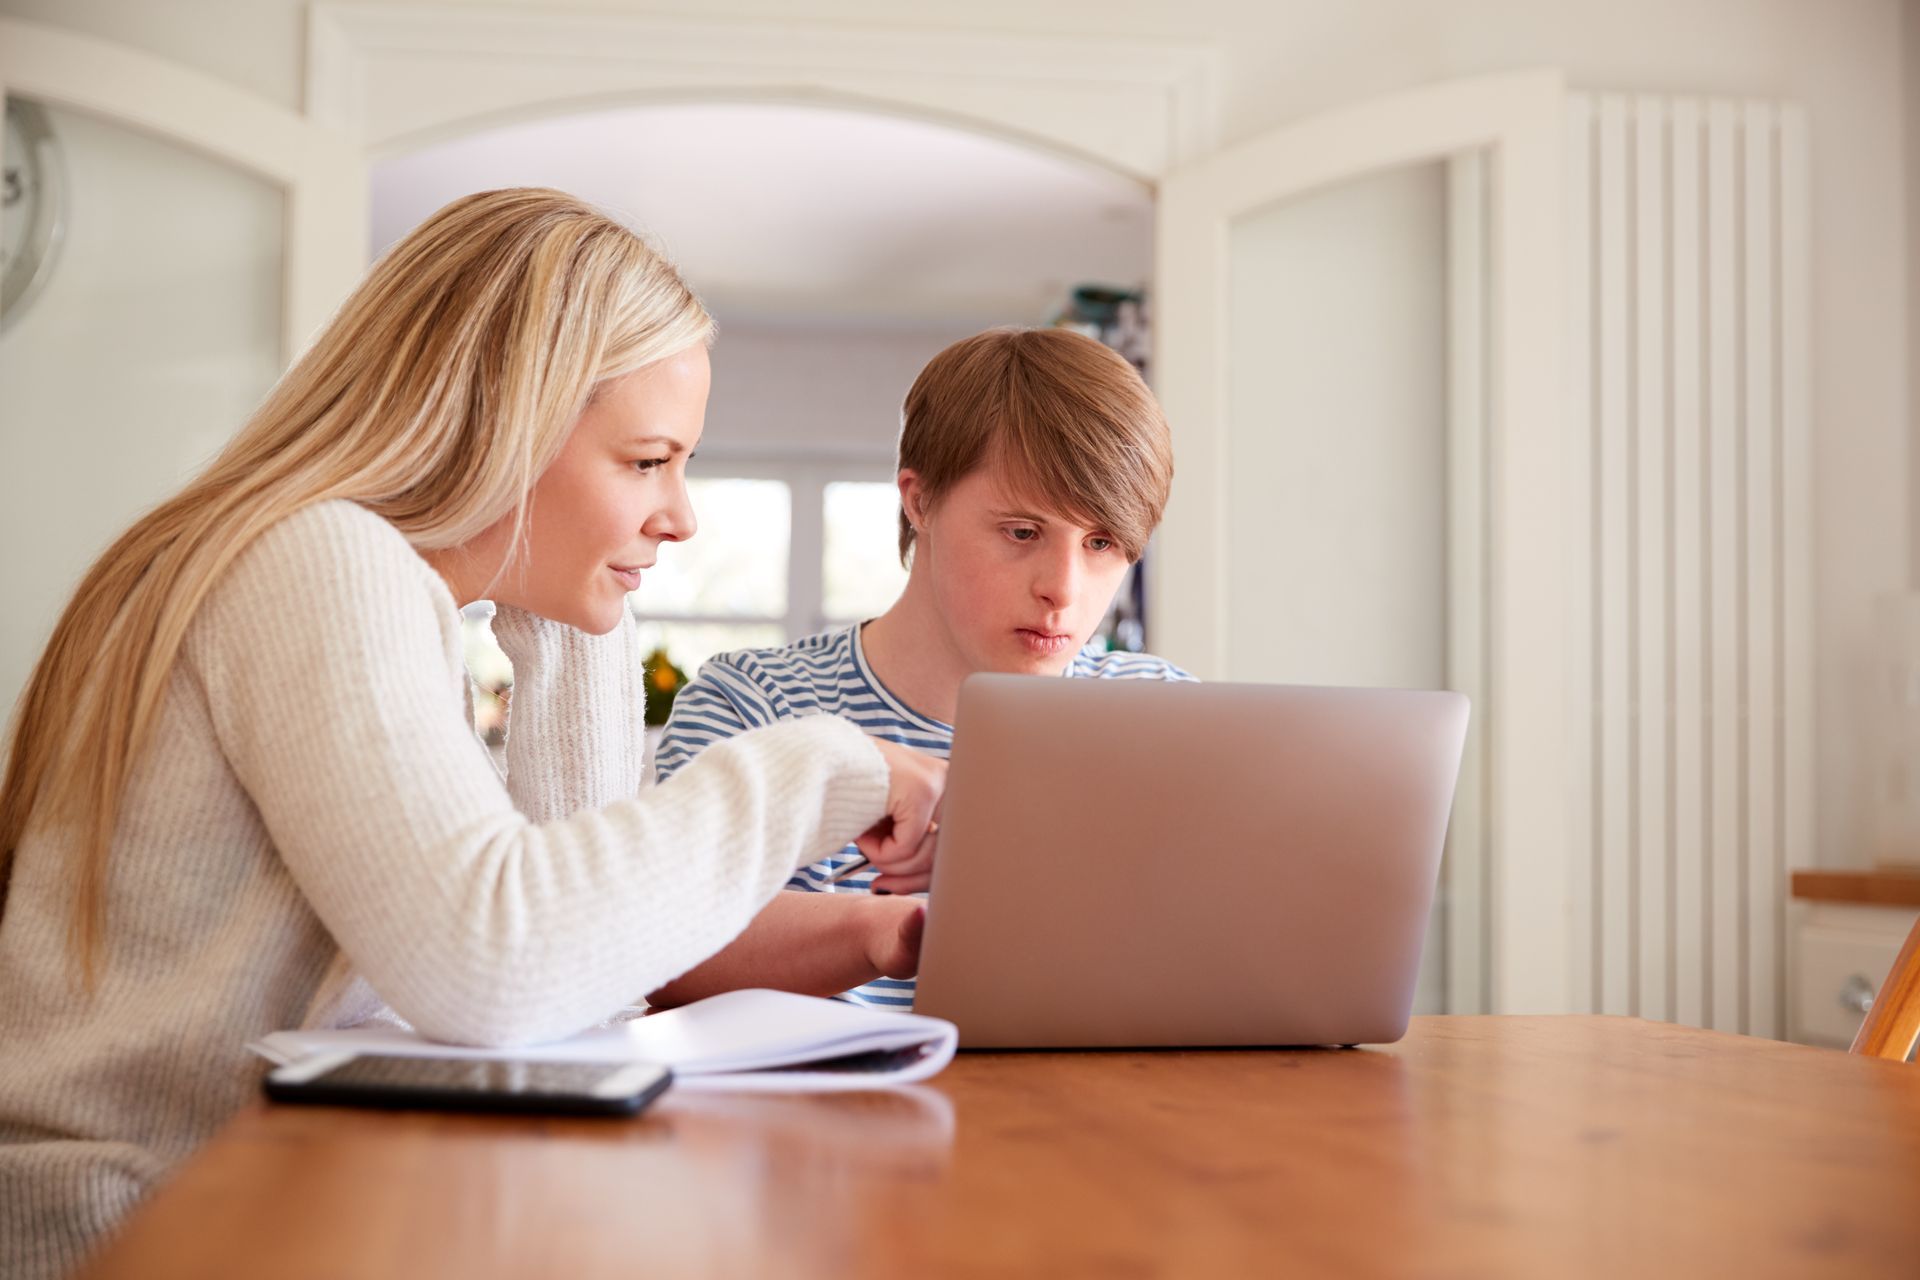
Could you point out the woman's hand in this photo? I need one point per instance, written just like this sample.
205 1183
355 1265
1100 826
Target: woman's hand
900 845
894 929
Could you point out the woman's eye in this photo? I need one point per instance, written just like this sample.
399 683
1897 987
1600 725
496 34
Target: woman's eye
644 465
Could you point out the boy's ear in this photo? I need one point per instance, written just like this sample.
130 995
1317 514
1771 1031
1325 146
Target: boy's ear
913 497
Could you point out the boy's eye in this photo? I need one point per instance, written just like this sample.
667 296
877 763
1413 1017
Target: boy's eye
1023 533
1100 544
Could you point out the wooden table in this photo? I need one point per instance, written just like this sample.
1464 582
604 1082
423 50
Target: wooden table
1536 1147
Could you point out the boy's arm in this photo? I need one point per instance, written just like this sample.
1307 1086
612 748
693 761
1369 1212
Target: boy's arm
818 944
719 703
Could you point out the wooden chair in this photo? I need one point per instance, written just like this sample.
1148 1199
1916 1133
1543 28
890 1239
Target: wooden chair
1893 1024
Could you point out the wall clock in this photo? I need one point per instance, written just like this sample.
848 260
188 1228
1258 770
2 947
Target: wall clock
32 206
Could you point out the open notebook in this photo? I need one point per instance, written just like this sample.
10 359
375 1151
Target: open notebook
764 1040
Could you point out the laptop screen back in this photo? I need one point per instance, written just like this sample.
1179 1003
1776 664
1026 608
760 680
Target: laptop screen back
1135 863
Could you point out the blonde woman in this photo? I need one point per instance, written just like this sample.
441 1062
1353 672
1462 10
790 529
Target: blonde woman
242 791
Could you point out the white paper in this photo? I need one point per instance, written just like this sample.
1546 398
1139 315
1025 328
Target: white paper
723 1042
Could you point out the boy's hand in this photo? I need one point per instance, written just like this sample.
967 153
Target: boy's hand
900 846
895 927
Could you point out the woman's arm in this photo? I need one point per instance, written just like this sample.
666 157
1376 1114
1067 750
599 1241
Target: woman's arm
812 943
331 657
818 944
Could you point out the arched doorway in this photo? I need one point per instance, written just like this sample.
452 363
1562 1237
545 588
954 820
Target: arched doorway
1147 111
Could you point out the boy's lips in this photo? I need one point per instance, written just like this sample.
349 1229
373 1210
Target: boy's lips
1041 641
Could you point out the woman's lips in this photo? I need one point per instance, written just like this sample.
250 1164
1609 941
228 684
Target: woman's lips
629 577
1044 644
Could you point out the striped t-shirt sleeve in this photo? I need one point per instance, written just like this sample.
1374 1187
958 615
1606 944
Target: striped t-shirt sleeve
719 703
1122 665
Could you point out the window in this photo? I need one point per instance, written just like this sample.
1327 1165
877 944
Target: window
729 586
861 573
785 549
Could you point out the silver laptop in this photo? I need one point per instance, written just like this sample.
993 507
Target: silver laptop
1128 863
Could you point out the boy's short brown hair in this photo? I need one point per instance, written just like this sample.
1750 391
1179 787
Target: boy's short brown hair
1069 419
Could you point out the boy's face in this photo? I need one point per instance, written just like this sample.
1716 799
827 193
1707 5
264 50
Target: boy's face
1019 586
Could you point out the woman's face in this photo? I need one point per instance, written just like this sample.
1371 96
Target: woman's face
617 490
1018 587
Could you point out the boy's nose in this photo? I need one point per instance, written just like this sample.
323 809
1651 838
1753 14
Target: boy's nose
1058 582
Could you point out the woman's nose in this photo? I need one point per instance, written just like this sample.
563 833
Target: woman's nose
674 522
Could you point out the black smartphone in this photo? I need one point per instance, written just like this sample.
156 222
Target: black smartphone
469 1084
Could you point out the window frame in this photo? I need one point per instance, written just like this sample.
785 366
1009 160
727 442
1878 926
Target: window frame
806 477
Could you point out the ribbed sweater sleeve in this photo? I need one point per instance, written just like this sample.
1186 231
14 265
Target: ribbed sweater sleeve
331 657
576 722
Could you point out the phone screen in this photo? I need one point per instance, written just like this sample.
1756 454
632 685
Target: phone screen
470 1084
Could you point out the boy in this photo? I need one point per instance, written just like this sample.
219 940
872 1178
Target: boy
1034 464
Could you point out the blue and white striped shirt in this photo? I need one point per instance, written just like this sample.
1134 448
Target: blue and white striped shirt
828 674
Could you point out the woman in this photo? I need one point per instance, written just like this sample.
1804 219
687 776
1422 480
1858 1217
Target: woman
242 790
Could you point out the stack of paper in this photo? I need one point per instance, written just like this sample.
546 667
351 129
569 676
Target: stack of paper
766 1040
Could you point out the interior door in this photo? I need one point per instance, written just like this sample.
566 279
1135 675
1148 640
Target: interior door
1357 334
170 243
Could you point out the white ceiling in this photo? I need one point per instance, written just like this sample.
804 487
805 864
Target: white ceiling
804 212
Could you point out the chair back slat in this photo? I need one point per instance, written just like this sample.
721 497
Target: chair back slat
1893 1024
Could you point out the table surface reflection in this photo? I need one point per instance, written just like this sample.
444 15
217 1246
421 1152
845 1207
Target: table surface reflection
1523 1146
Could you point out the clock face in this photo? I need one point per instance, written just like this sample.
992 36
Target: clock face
31 196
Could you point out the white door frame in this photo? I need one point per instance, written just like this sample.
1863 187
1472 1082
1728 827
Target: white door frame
1515 589
322 175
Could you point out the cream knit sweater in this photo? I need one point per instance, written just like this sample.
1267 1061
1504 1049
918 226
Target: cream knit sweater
317 834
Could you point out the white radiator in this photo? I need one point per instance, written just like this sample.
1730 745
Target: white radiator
1692 656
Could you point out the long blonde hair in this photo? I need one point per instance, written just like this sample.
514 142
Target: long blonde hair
435 397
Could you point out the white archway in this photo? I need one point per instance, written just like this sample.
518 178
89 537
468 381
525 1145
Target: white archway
394 79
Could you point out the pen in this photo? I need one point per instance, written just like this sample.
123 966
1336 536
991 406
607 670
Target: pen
860 862
841 872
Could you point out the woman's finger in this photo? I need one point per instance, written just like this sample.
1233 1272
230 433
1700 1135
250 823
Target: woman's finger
912 818
899 858
868 842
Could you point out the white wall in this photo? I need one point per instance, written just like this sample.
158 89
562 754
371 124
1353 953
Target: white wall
168 290
779 389
1286 58
1910 70
1340 460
